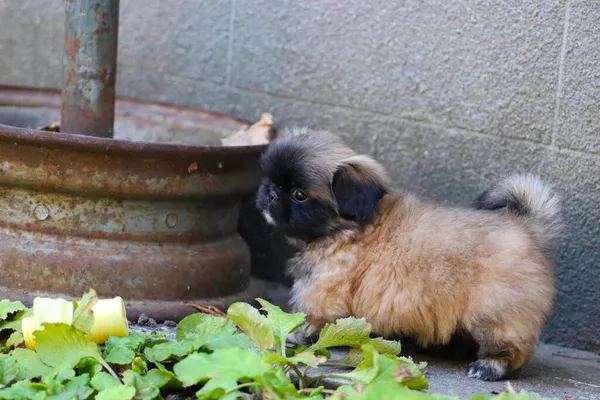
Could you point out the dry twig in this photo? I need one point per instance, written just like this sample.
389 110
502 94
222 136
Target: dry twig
211 310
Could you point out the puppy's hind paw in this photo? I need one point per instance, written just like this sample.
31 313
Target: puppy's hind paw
487 369
305 335
296 338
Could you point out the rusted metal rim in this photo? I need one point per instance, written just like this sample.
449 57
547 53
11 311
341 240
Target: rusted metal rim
26 97
130 219
123 168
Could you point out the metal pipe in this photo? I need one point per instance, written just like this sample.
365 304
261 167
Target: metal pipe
90 67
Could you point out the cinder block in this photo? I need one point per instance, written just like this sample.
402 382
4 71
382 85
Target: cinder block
579 119
444 164
49 21
182 38
17 68
291 113
483 66
576 178
18 34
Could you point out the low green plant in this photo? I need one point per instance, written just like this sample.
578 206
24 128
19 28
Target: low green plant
245 355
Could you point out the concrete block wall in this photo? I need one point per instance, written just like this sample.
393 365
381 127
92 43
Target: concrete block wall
449 94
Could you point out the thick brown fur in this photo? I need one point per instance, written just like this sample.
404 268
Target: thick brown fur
416 269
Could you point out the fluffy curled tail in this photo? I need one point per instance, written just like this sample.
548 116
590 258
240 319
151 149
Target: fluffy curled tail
529 197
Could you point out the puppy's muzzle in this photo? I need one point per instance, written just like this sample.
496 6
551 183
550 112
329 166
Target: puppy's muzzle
271 199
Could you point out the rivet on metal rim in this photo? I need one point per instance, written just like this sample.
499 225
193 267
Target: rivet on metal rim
41 212
171 220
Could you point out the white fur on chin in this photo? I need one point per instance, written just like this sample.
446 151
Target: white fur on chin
268 218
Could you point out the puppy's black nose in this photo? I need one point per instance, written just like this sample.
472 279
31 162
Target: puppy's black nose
272 195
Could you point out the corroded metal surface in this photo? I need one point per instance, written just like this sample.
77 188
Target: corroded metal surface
126 218
90 66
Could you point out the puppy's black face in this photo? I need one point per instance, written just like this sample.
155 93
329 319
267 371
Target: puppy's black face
300 196
295 198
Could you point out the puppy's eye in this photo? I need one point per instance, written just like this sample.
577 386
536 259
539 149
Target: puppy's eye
299 196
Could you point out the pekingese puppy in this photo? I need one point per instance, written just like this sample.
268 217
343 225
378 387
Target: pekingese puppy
411 268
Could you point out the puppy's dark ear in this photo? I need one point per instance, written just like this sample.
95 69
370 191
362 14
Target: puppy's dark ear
358 185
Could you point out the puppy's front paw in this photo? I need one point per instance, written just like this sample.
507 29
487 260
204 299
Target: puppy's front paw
306 334
487 369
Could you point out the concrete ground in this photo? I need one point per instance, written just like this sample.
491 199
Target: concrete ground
555 372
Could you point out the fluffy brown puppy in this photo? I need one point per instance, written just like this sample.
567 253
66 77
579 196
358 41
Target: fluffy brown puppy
409 267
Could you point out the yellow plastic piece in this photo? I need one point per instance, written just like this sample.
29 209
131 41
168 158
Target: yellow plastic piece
45 310
28 326
110 319
52 310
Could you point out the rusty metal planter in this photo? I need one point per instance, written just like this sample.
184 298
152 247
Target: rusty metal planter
125 217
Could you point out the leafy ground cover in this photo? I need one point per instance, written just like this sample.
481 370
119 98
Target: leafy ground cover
243 354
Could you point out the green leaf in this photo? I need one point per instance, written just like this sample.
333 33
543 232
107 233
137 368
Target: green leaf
30 364
219 389
89 366
383 346
221 367
281 323
24 390
8 307
158 375
133 341
61 345
384 368
352 358
199 323
295 349
139 365
307 358
9 369
144 389
167 350
355 333
512 394
367 370
207 331
103 381
408 373
76 389
386 391
351 332
159 378
14 322
119 392
61 374
83 316
15 339
53 385
356 355
278 382
122 350
120 355
255 325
